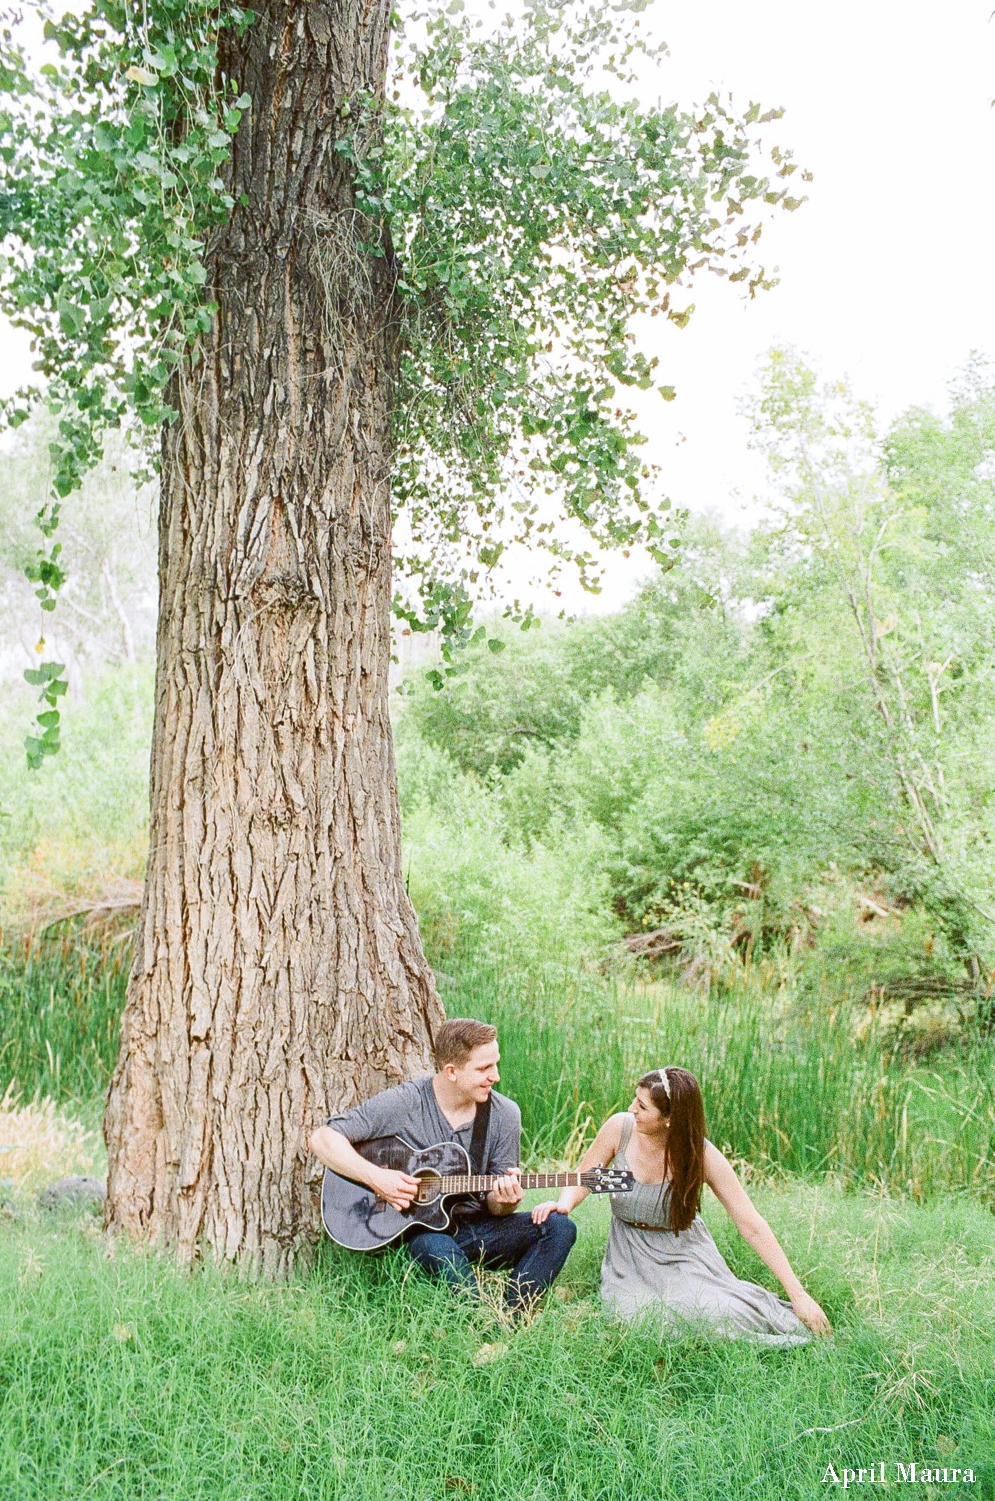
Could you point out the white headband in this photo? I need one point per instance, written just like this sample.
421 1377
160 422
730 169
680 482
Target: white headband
666 1082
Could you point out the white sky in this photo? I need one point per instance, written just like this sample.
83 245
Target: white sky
886 272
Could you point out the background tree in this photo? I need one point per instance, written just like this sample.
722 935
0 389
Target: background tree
724 766
338 310
875 536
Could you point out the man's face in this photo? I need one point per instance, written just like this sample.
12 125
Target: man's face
479 1074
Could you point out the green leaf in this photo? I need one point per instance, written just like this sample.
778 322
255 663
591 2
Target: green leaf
71 318
45 673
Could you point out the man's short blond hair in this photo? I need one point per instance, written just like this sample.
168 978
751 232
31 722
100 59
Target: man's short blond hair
457 1038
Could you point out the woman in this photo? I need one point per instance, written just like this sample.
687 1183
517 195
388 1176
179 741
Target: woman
660 1257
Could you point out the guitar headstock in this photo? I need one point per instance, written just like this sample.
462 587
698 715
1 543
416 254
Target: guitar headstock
608 1180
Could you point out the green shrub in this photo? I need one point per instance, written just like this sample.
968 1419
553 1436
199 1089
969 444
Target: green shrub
477 894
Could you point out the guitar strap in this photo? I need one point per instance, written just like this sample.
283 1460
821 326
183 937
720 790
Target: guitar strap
478 1137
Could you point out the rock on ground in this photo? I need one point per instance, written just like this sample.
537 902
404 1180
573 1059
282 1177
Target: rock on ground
74 1193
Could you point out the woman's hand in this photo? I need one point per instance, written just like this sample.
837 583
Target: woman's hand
811 1314
541 1212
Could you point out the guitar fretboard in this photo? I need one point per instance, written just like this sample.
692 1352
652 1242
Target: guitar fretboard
483 1182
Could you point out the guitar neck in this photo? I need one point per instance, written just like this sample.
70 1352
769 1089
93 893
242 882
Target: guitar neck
484 1182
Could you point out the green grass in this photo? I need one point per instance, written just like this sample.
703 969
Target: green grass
784 1090
60 1007
789 1092
123 1379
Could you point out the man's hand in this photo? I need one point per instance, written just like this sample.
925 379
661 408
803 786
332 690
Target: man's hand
399 1189
506 1193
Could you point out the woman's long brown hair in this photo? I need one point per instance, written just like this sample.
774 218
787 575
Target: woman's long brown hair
684 1163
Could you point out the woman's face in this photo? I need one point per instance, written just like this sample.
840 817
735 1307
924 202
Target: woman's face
647 1117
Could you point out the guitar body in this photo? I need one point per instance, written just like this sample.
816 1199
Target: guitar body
356 1219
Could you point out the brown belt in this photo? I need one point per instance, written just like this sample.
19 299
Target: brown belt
639 1225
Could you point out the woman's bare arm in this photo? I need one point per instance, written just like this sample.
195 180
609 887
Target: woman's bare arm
599 1154
721 1179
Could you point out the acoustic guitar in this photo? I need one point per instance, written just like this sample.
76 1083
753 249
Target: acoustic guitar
356 1218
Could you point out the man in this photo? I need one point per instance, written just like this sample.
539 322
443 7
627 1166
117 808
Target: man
442 1107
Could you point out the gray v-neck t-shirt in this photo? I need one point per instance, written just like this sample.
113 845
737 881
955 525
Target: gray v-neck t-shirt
412 1111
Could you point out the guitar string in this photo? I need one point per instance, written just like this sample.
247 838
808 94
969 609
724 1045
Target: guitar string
528 1180
480 1182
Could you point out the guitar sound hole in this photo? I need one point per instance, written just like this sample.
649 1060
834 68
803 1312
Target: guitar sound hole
430 1185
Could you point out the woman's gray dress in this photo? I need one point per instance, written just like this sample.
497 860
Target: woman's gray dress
683 1279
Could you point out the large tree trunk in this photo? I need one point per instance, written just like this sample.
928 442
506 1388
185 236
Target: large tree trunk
278 972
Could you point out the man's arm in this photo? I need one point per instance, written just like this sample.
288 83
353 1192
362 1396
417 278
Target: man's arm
504 1157
338 1153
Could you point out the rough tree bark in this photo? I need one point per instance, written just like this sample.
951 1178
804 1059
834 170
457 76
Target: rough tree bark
278 972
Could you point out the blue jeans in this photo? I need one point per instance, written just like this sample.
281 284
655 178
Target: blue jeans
534 1253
